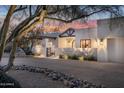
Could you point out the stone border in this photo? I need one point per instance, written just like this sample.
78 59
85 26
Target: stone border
68 80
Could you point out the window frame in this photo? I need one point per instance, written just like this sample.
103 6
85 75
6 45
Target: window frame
85 45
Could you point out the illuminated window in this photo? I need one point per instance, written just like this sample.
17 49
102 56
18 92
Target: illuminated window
85 43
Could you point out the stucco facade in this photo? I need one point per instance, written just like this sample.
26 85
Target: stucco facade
106 41
112 32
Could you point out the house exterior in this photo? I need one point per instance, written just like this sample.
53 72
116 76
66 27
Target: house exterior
111 32
104 40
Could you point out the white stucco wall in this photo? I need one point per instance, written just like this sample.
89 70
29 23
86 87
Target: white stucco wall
112 33
44 44
85 34
102 51
110 28
62 42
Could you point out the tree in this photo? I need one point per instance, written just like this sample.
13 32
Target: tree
4 29
37 14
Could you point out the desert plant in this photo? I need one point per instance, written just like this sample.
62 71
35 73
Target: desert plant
65 57
81 58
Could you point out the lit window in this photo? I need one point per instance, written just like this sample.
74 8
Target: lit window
85 43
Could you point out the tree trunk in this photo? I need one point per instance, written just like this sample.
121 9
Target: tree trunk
11 57
17 39
4 29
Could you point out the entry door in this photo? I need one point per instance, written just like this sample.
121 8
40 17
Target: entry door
48 52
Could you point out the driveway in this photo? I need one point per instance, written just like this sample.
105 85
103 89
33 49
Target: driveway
108 74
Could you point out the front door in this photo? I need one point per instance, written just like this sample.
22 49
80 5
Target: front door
48 51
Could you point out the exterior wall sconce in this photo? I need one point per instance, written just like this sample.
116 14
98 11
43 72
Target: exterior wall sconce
101 41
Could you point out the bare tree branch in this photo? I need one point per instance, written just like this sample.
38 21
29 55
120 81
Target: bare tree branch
68 21
20 8
23 24
30 12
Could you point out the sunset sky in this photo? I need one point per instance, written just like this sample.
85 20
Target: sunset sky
51 25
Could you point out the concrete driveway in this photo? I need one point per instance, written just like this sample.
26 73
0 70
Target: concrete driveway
108 74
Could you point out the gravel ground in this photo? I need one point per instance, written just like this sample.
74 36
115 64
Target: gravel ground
34 80
108 74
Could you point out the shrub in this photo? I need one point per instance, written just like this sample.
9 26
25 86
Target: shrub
60 56
74 57
69 56
90 58
81 58
65 56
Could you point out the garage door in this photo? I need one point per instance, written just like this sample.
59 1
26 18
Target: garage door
115 49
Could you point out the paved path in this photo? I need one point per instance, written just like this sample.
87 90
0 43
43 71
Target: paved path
108 74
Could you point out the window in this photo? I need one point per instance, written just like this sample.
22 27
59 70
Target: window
85 43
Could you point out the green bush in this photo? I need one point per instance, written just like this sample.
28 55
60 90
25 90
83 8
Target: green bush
61 56
74 57
90 58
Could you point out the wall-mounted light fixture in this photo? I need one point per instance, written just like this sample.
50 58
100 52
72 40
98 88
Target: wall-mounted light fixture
101 41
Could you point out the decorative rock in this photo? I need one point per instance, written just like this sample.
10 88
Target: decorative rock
54 76
18 68
85 81
100 86
71 85
37 70
61 79
68 80
85 85
71 77
58 75
31 70
49 75
42 70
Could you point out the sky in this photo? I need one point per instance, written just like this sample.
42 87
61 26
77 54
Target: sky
75 25
3 10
